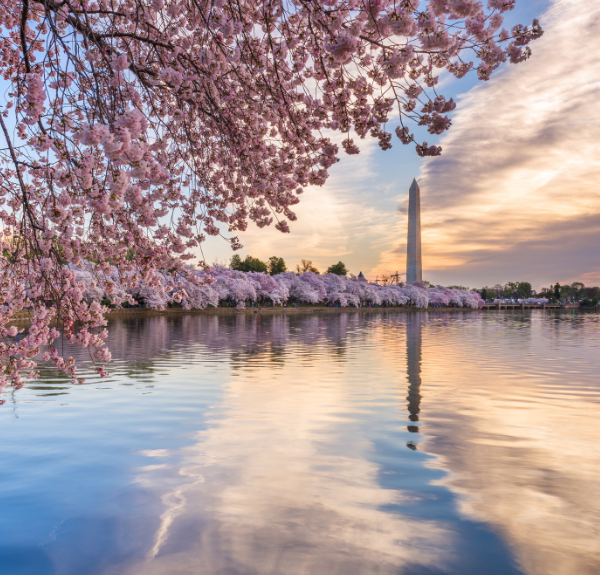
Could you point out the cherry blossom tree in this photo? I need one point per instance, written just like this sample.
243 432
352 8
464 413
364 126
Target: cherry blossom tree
234 286
264 284
305 288
135 128
417 294
282 293
438 298
194 290
317 284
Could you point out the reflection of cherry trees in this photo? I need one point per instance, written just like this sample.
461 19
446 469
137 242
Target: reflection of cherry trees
240 335
139 342
198 289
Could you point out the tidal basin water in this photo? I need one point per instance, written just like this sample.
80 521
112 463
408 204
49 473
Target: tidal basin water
324 444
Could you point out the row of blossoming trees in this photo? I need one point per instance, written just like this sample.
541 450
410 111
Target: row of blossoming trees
198 289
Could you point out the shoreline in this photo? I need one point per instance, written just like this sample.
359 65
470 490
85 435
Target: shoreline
132 312
273 310
144 312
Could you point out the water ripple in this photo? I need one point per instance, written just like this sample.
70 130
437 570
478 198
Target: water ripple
457 443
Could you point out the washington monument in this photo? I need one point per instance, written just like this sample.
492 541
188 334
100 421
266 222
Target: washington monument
414 268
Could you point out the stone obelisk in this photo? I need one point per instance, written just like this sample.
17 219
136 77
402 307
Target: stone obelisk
414 269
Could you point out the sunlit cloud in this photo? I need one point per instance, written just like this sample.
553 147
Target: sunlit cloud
516 193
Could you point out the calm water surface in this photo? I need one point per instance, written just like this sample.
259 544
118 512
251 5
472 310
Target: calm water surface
351 444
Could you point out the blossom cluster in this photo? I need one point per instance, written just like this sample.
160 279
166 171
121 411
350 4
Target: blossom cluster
134 129
198 289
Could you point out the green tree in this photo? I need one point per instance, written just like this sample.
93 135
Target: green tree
305 266
236 262
557 291
276 265
516 290
337 269
568 291
510 290
524 290
249 264
577 288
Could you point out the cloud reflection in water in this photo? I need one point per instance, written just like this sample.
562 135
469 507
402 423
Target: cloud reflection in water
515 423
278 444
266 489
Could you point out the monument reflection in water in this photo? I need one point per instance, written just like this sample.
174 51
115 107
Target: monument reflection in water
278 444
413 370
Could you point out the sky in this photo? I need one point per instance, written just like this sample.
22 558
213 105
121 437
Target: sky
515 195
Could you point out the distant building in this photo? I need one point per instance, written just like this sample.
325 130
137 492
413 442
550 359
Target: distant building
414 267
361 276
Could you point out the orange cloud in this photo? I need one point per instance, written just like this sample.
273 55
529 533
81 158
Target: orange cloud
516 193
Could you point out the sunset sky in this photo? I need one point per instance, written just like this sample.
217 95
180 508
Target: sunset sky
514 196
